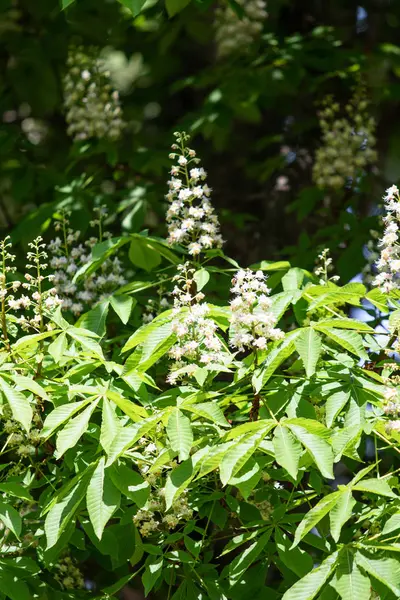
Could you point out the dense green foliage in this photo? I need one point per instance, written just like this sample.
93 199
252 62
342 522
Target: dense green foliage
171 427
254 112
195 454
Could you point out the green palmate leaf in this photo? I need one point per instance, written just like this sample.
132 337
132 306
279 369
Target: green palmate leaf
59 415
123 304
134 411
175 6
238 540
148 330
153 342
130 483
392 524
87 342
375 486
349 293
20 406
346 324
58 348
201 277
12 587
100 253
73 431
15 489
10 519
341 513
280 302
32 340
64 508
293 279
180 434
383 568
178 479
308 344
287 450
350 581
241 563
95 319
237 456
162 247
263 424
128 436
310 434
297 560
212 459
209 410
247 478
346 441
308 587
135 6
278 353
149 358
110 425
26 383
350 340
378 299
66 3
143 255
314 516
152 573
102 498
334 404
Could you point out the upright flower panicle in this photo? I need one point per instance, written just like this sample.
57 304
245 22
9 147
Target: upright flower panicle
324 267
191 219
388 264
36 301
197 342
92 107
348 142
252 322
234 33
68 255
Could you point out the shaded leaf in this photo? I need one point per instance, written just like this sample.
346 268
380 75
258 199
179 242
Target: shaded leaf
308 587
10 518
130 483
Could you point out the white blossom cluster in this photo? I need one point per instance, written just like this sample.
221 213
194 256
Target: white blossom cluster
347 142
68 255
388 264
235 33
197 341
92 107
391 404
252 322
34 300
68 574
190 217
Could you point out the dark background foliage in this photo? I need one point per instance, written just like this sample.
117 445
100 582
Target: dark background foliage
241 110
